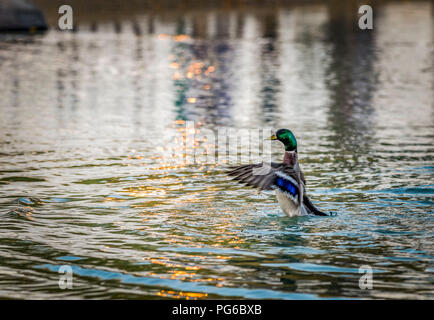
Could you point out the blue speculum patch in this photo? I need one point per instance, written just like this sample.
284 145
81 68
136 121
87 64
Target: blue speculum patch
287 186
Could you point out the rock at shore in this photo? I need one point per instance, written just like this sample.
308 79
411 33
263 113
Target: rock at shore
20 15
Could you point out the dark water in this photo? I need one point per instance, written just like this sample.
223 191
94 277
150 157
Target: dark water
88 180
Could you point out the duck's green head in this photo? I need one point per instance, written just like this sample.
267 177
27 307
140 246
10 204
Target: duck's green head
287 138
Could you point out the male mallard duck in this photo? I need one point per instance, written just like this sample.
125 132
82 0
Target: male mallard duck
285 178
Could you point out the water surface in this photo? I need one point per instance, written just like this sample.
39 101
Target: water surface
86 179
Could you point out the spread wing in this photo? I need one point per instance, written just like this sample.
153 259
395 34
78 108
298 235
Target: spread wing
275 176
268 177
311 207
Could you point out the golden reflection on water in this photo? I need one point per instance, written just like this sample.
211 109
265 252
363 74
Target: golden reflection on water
182 295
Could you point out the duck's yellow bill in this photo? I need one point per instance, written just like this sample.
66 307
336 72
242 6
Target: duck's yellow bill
273 137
